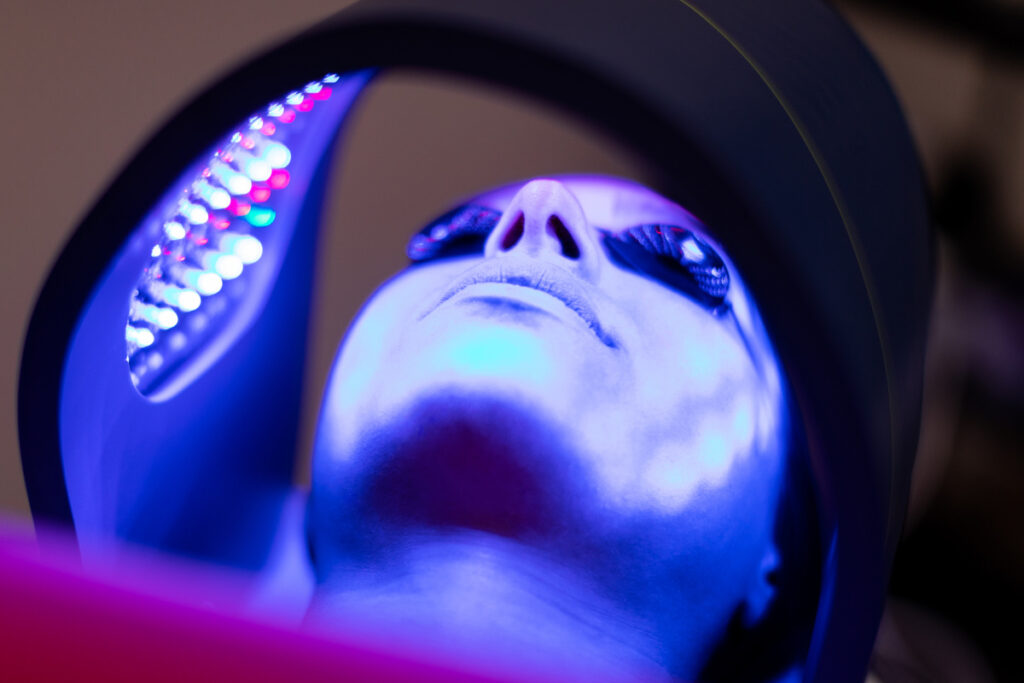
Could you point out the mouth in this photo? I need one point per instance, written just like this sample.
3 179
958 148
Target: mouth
535 275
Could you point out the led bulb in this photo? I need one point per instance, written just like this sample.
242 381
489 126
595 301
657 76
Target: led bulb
140 336
186 300
227 266
233 181
202 281
196 214
247 248
260 216
174 230
257 169
215 197
161 316
277 155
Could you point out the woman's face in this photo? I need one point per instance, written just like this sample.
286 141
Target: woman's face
543 392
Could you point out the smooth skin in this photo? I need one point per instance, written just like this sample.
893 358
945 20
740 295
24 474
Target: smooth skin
537 456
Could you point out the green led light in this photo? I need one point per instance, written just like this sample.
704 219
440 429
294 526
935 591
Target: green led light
260 217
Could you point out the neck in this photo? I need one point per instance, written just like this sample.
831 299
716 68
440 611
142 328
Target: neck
478 596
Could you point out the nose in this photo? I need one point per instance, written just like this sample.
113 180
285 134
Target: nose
545 220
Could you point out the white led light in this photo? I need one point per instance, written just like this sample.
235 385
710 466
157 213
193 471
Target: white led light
255 122
228 266
185 299
174 231
196 214
277 155
216 197
257 169
331 78
248 249
208 283
165 318
140 336
314 87
162 317
155 251
294 98
233 181
275 109
204 282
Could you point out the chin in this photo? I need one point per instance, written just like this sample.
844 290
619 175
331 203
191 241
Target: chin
458 458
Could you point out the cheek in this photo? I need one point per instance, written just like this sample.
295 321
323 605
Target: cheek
694 414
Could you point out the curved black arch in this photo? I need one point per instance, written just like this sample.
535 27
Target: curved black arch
739 114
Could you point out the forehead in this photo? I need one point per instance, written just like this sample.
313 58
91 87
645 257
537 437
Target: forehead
610 203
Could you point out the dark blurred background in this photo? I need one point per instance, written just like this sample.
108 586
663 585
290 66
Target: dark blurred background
83 84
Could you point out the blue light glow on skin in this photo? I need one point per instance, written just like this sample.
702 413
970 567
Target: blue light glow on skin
548 458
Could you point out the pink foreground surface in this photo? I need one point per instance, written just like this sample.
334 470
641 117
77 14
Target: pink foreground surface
58 623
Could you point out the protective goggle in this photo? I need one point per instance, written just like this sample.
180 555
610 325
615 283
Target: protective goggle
674 256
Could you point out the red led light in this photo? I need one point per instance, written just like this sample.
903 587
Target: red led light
238 208
222 224
306 104
268 128
279 179
203 240
248 142
288 116
322 94
260 194
207 172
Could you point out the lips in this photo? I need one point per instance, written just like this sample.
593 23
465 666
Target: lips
537 275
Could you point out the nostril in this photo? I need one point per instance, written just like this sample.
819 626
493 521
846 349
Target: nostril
514 234
570 249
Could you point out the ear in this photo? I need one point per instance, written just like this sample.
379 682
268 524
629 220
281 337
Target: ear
763 588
